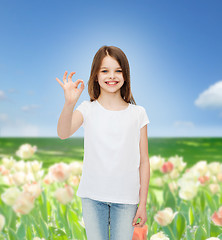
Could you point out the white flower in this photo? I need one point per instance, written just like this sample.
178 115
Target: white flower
19 178
191 176
64 195
76 167
29 177
8 163
174 173
214 168
213 238
178 162
214 187
188 190
24 203
19 166
201 167
159 236
165 216
39 174
27 167
10 195
8 179
26 151
156 162
36 166
158 181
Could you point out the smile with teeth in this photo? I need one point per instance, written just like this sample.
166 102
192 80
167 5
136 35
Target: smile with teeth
112 83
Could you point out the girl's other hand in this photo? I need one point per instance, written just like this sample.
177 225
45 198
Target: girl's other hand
71 90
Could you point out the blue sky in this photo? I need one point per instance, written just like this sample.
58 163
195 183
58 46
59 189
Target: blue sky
173 47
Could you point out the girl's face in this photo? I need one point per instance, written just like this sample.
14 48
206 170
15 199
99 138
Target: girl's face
110 77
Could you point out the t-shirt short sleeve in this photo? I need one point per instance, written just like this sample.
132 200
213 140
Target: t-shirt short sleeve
143 117
83 108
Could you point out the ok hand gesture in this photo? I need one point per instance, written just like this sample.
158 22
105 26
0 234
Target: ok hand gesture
71 91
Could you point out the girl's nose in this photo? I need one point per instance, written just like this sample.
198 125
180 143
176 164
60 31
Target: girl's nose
112 75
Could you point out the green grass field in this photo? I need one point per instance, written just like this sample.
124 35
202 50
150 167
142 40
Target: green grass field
194 215
52 150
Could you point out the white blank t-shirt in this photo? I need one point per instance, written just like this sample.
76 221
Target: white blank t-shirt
111 152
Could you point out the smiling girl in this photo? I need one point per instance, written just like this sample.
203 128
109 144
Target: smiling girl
116 169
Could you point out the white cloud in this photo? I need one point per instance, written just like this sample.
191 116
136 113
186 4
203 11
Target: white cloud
19 128
183 124
3 117
23 131
31 92
29 108
211 97
2 95
12 90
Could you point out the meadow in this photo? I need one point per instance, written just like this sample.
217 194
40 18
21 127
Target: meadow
185 172
52 150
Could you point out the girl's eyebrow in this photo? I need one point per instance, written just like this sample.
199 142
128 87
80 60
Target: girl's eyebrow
107 67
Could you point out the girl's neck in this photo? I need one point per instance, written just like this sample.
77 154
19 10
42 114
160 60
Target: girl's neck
112 103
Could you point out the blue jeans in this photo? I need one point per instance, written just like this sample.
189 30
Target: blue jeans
98 216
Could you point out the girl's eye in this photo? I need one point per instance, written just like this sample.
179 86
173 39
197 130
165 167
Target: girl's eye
117 71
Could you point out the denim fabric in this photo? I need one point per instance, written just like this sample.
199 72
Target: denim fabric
100 217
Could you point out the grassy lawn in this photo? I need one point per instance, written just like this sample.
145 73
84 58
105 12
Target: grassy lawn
52 150
194 214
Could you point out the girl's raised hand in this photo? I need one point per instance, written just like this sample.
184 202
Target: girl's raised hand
71 90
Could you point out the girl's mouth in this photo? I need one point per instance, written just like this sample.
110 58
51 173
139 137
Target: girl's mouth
113 83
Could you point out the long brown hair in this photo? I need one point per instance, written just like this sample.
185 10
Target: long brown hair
119 55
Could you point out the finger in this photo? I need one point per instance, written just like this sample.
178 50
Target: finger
64 77
61 84
76 83
135 222
139 225
70 76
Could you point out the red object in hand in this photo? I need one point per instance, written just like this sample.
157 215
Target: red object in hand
140 233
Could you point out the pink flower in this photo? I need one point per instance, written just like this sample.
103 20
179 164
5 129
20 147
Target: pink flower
24 203
60 171
167 167
217 217
33 188
203 179
4 170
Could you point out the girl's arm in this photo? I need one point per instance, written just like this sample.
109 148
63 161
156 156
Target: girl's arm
65 119
144 167
69 121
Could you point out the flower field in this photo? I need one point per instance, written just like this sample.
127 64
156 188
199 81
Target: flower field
184 198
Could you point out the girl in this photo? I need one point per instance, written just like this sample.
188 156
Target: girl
116 170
